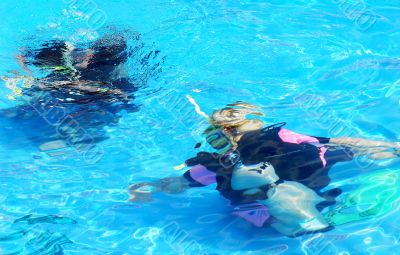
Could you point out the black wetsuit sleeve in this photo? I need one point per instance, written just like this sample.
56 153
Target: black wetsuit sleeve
191 162
208 160
192 182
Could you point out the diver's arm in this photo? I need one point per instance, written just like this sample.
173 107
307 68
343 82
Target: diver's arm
197 176
21 62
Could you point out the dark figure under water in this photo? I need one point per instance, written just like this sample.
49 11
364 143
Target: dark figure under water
271 175
83 90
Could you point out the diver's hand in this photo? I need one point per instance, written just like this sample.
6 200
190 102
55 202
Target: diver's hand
142 192
173 185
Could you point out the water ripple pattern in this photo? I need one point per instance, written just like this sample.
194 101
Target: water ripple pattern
327 68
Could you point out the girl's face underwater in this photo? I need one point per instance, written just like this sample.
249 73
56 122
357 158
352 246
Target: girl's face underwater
229 124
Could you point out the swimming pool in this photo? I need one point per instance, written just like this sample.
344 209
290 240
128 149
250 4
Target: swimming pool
327 68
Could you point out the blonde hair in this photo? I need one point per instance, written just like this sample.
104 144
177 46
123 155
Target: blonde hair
233 121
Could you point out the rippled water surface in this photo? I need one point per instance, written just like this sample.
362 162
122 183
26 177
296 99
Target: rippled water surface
324 67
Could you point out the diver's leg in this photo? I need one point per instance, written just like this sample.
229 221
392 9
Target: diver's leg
360 142
375 150
377 153
383 155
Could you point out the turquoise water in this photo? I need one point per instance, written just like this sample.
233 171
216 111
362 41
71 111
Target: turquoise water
328 68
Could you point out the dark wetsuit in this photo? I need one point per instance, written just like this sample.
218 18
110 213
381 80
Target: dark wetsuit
295 157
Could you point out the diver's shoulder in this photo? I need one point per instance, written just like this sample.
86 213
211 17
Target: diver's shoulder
264 132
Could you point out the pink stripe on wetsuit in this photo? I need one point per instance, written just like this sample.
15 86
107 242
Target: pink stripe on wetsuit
292 137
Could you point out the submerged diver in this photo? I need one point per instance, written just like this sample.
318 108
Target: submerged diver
82 75
90 84
271 175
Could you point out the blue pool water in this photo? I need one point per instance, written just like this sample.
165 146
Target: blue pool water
327 68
